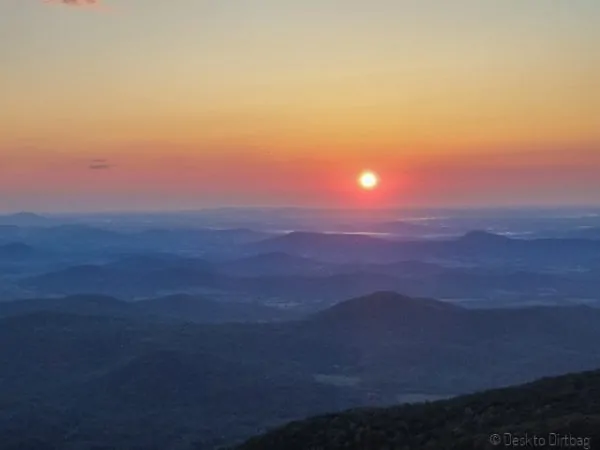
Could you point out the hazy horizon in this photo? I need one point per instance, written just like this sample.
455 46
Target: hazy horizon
412 209
408 214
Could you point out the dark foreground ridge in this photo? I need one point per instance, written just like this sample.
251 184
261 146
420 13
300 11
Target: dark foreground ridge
561 412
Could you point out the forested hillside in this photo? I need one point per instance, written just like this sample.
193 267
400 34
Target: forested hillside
563 412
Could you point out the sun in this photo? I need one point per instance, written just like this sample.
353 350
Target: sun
368 180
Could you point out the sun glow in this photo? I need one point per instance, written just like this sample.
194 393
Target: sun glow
368 180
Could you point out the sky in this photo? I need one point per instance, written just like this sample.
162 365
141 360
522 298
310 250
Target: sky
179 104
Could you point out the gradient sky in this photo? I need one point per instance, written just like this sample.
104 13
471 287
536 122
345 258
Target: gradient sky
155 104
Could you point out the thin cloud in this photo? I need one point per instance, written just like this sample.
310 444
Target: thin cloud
78 3
100 164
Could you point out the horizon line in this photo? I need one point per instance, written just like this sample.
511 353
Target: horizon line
533 207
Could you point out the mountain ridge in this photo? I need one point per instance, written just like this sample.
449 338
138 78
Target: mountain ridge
568 405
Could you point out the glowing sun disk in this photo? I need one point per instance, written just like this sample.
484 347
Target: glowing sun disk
368 180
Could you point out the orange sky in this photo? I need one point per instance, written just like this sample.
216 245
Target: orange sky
275 102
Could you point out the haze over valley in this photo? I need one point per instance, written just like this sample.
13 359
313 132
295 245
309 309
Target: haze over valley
209 333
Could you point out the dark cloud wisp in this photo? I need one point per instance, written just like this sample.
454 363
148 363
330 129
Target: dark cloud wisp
100 164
